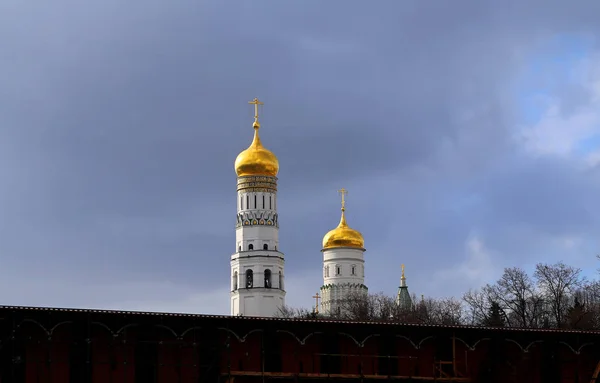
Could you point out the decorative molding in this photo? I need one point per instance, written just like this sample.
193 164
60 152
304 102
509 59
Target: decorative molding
263 184
343 285
257 218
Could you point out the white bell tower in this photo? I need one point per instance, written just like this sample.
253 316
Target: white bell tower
257 266
343 266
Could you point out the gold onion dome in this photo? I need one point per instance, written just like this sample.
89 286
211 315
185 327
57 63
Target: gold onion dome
256 160
343 235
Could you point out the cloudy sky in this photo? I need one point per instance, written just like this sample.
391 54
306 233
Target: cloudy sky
467 133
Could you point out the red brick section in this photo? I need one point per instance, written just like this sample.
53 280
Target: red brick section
84 346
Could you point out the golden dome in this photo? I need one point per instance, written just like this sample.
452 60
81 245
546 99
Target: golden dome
343 236
256 160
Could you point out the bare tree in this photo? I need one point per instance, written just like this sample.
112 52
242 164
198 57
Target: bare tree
290 312
447 311
589 297
478 305
367 307
519 303
444 311
557 284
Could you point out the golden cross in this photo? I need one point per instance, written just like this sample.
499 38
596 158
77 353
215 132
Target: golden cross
317 297
402 271
343 192
256 103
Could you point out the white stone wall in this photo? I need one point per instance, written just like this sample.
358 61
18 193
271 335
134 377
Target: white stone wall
334 296
259 299
257 249
343 276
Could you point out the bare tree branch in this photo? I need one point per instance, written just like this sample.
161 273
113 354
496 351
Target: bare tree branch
557 285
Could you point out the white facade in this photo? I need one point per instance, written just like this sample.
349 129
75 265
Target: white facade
257 266
343 277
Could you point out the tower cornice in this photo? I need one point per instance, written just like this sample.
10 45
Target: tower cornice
332 249
252 184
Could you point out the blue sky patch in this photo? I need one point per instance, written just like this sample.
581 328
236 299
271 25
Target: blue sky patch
549 69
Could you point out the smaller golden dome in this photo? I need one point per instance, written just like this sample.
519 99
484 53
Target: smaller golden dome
343 236
256 160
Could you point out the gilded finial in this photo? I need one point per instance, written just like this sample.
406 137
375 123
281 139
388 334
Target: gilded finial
403 272
317 297
343 193
256 103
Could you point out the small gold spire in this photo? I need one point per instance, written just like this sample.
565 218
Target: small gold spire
256 103
403 277
343 193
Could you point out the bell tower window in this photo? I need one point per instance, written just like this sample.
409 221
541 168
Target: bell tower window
249 279
267 278
250 247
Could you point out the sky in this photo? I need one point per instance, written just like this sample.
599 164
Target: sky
467 134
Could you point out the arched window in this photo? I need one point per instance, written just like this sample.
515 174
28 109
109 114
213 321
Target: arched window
263 201
235 280
268 278
249 279
239 248
280 281
265 247
353 269
338 270
250 247
255 206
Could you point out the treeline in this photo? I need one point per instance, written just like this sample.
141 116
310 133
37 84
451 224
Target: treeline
554 296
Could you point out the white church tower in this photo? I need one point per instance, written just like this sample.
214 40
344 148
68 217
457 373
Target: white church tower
343 265
257 278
